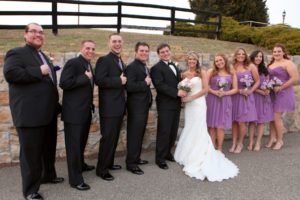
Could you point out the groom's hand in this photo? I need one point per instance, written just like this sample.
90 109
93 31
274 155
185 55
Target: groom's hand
182 93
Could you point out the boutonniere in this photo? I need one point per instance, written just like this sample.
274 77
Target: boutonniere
176 65
50 60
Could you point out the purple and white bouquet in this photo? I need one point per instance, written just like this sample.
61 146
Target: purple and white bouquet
222 83
185 85
276 82
247 81
267 85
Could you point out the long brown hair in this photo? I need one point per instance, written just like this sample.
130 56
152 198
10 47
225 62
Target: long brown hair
246 61
285 53
227 66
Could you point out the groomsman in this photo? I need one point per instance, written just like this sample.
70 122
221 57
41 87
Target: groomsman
109 76
139 99
165 77
77 83
33 100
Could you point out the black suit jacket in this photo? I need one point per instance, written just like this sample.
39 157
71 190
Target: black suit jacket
166 82
77 91
139 96
111 90
33 97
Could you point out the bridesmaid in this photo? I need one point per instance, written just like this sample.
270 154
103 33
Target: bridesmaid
243 104
283 96
263 102
222 84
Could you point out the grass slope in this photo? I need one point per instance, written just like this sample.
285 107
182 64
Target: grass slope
68 40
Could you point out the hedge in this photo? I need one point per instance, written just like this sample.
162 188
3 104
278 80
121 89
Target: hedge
260 36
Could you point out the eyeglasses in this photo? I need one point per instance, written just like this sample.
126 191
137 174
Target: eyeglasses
35 32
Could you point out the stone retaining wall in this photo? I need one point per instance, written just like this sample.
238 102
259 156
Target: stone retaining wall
9 146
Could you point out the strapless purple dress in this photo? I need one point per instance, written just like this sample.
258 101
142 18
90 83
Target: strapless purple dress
219 109
283 101
263 104
243 108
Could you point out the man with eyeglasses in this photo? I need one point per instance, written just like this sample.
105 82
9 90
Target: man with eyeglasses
33 99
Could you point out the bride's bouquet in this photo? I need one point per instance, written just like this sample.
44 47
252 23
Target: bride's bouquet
185 85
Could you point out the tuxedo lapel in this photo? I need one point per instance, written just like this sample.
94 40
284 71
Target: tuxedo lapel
169 69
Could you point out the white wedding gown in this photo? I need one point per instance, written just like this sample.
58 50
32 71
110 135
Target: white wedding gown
195 150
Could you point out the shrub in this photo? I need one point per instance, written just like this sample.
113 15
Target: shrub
262 36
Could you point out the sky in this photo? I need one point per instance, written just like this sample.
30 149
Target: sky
275 10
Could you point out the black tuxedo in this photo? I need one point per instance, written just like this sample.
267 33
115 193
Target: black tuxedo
168 107
139 99
76 113
34 106
111 108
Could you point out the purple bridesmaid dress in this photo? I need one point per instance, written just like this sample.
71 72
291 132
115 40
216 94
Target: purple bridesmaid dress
283 101
243 108
219 109
263 104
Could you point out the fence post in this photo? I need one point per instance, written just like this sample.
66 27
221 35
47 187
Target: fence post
172 20
54 17
218 28
119 23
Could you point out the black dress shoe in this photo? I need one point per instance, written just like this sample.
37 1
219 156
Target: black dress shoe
34 196
170 158
54 181
162 165
135 170
107 176
115 167
87 167
82 186
142 162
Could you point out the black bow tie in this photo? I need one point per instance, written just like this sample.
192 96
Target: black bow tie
171 63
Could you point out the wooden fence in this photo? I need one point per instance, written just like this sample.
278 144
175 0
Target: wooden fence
119 15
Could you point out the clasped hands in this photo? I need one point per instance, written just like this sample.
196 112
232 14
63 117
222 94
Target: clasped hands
45 69
246 92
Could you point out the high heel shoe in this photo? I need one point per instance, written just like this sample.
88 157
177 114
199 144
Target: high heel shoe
238 149
250 147
231 150
257 147
278 145
270 143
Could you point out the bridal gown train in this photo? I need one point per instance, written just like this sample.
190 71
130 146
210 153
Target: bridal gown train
195 150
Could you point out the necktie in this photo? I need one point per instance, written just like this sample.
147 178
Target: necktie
146 70
89 68
120 64
171 65
45 62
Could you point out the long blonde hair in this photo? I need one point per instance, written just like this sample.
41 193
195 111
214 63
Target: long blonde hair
192 54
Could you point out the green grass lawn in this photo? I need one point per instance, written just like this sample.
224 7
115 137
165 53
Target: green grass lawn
68 40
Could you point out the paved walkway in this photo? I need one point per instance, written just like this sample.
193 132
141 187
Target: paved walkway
267 175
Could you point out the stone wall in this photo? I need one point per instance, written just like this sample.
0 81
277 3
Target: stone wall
9 146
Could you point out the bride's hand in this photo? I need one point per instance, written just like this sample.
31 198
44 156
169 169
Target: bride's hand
186 99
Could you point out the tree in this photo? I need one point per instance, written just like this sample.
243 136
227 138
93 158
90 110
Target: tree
246 10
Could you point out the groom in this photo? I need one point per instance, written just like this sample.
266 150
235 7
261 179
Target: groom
165 77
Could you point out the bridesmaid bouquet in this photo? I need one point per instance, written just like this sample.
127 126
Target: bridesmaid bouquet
276 82
185 85
267 85
222 83
247 81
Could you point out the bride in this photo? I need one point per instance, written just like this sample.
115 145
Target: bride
195 150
